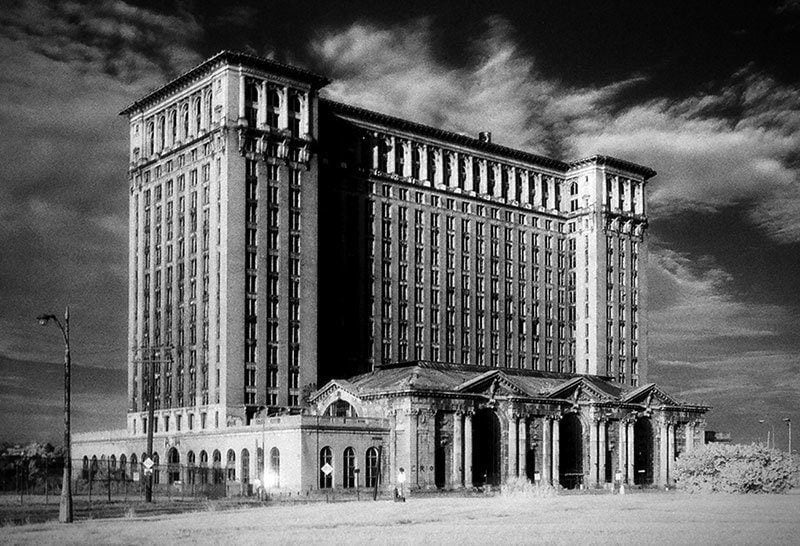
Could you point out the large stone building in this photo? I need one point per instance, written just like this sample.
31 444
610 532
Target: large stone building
314 285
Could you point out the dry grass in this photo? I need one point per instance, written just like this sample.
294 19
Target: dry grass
654 518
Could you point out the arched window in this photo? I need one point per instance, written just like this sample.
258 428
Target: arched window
156 469
162 132
93 468
185 121
371 477
274 474
251 103
209 109
273 108
349 468
190 470
325 463
198 113
174 466
203 467
231 465
85 468
218 473
383 154
150 138
112 462
295 105
245 466
173 126
341 408
260 462
123 466
134 464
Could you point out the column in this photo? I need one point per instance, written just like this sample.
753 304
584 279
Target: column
534 182
512 184
468 182
483 185
406 151
390 156
614 204
689 433
458 455
512 446
413 459
283 111
551 193
622 449
423 162
524 190
663 455
438 158
546 452
305 114
602 430
556 451
631 478
628 189
498 180
468 450
522 435
670 450
241 98
262 104
593 462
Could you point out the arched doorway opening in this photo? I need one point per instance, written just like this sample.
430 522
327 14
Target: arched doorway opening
173 466
570 449
643 451
486 448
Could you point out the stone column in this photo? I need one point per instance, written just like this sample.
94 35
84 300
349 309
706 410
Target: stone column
522 435
663 455
631 454
670 450
305 114
535 183
628 189
283 110
614 204
438 178
593 460
390 156
551 193
468 181
262 105
468 450
689 433
498 181
406 158
482 184
241 98
512 446
413 455
556 451
423 162
547 456
622 449
512 184
601 449
524 190
458 455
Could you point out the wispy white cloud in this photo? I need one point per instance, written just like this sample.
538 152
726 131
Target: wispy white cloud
723 147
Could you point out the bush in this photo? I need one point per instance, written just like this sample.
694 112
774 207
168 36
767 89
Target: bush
522 487
734 468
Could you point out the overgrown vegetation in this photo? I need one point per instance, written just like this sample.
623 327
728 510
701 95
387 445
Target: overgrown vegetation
735 468
522 487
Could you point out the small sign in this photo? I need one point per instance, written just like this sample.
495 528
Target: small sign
618 476
327 469
148 471
136 476
537 476
148 463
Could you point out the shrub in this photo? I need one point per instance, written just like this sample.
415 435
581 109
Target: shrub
522 487
734 468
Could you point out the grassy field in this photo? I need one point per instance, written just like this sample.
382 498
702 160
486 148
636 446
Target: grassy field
656 518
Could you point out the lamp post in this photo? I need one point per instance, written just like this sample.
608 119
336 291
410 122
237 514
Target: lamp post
789 424
65 507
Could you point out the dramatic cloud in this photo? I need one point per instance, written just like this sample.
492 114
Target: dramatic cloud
726 146
67 69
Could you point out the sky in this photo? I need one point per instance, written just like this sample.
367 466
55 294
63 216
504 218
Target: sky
706 93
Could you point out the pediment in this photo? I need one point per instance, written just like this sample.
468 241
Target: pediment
650 395
333 386
493 384
579 390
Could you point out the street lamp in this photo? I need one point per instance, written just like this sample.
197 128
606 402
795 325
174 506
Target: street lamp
762 421
65 507
789 424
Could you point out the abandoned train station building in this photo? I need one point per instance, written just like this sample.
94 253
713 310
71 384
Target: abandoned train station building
320 295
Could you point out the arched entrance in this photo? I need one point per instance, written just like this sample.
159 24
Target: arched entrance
173 466
486 448
570 458
643 451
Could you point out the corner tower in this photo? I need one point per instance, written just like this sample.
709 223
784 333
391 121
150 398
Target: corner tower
222 249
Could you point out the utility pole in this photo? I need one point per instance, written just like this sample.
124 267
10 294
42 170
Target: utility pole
151 402
65 506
